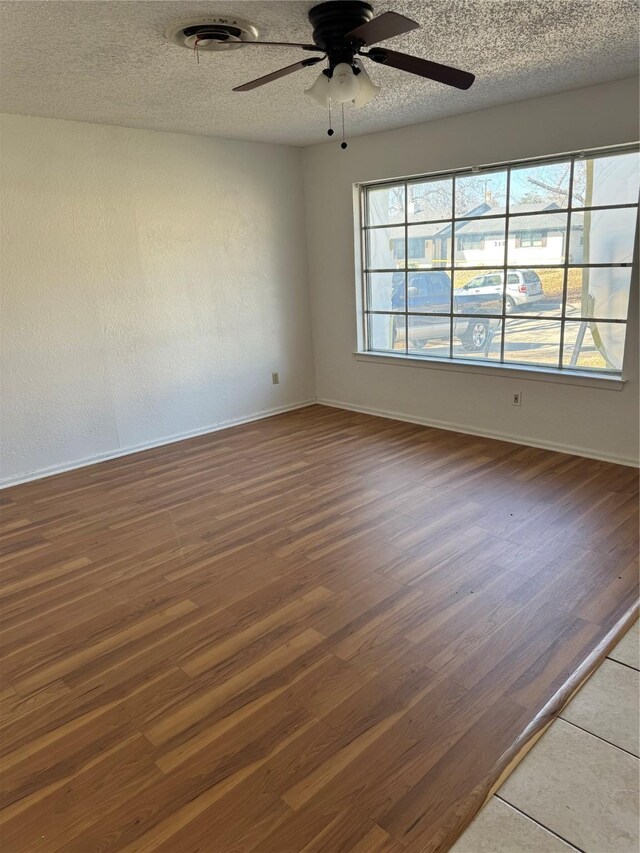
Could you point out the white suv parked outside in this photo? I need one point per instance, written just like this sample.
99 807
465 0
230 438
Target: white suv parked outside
523 287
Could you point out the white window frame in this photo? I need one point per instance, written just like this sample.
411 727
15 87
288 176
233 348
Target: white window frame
569 375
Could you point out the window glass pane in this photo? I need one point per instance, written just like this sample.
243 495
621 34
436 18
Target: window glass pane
477 338
429 246
481 194
540 187
594 346
462 277
537 239
606 180
537 292
532 342
478 292
430 200
482 293
602 236
429 291
445 276
385 205
598 292
479 243
385 248
385 291
429 336
386 332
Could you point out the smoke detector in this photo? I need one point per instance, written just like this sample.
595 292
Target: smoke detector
211 32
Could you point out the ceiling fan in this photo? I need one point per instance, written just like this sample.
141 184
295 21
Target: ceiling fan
344 31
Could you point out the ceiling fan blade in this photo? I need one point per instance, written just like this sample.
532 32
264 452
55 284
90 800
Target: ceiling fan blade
422 67
286 44
275 75
383 27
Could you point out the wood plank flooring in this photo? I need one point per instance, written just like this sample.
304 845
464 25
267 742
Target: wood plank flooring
323 631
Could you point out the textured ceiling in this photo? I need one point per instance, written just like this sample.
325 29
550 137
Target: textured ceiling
109 62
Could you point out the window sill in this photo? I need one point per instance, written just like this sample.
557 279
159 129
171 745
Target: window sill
502 371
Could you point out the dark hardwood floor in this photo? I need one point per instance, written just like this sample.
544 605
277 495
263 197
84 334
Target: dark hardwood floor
323 631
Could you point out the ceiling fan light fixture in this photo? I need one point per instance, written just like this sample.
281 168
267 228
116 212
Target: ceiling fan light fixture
320 90
342 31
343 85
367 88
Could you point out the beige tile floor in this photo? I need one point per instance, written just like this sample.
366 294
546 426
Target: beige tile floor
579 787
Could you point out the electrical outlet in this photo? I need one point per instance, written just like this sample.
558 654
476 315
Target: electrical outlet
275 379
517 398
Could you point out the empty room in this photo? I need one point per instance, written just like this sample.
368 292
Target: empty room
319 422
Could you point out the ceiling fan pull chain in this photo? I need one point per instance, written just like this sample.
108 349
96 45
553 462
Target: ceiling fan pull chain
343 144
330 132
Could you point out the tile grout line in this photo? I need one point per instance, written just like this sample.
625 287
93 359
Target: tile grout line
537 822
598 737
586 731
622 663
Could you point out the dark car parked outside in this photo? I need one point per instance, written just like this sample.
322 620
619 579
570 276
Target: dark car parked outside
429 295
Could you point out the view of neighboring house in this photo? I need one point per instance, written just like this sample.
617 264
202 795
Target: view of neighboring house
533 240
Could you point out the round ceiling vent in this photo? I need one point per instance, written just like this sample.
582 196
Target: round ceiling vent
211 32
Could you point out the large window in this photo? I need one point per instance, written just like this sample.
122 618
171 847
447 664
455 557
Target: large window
438 250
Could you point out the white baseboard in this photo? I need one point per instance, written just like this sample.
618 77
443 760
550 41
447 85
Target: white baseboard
7 482
17 479
572 450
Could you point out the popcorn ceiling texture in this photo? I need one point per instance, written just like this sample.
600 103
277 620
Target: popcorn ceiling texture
110 62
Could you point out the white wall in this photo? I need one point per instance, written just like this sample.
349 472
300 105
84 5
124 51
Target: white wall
593 421
151 282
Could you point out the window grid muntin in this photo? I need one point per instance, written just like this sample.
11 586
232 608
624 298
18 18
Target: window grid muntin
454 249
586 154
451 268
507 221
406 271
514 215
